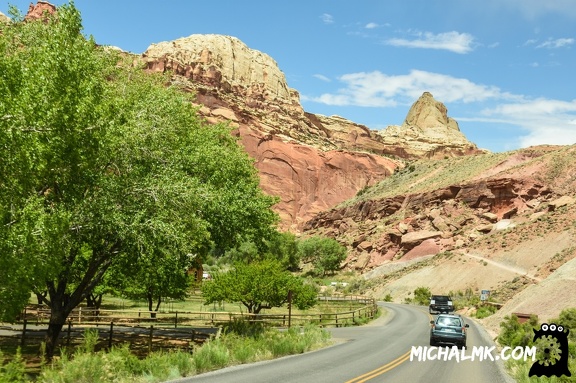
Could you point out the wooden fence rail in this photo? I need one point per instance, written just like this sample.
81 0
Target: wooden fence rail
86 316
146 330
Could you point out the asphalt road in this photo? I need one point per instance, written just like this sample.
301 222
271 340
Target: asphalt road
378 352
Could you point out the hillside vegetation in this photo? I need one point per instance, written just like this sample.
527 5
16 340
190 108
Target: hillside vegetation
515 239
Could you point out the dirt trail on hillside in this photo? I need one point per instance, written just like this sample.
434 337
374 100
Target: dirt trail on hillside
516 270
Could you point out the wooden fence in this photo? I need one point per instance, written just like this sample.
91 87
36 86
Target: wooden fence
366 310
148 331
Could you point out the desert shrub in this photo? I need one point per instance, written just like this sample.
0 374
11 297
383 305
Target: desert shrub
422 296
513 333
485 311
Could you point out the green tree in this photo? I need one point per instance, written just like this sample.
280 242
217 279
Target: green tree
514 334
259 285
104 166
326 254
422 296
280 246
283 246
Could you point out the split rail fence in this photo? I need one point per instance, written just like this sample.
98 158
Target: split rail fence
169 329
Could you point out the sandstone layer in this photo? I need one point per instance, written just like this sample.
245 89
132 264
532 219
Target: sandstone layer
312 162
4 18
428 132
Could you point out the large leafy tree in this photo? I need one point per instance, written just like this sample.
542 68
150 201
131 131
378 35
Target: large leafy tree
105 166
325 254
259 285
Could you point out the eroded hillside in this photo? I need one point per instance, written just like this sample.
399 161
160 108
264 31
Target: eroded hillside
502 222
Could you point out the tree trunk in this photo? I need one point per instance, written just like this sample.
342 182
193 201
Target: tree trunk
57 321
150 298
40 297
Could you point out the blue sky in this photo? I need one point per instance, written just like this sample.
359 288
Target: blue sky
505 69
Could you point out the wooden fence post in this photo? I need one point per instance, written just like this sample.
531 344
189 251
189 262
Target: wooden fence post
23 333
150 339
176 320
69 332
80 315
110 335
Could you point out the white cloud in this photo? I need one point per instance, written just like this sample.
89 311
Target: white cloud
322 77
451 41
547 121
376 89
371 26
327 18
558 43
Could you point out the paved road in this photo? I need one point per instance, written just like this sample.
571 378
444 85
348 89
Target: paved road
379 352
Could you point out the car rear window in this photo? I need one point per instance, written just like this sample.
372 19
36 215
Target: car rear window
446 321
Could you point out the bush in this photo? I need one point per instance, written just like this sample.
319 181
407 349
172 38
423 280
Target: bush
14 370
485 311
422 296
513 333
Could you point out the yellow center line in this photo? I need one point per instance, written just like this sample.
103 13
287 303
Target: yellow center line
387 367
380 370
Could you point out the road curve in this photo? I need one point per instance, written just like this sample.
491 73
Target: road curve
377 352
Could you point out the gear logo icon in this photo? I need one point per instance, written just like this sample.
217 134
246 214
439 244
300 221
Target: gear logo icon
551 342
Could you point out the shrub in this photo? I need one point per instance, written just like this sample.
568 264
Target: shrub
422 296
485 311
513 333
14 370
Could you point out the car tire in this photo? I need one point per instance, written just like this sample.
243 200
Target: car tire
463 346
432 342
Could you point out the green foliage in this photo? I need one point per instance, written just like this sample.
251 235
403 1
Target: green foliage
244 328
14 370
106 168
513 333
485 311
567 318
280 246
326 254
258 285
120 366
283 246
422 296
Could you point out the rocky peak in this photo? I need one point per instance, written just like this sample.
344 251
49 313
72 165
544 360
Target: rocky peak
222 62
39 10
427 131
311 162
427 113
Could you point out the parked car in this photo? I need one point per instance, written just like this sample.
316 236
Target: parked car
440 304
448 329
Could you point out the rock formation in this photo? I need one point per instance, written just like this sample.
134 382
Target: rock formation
39 10
428 132
311 162
411 225
4 18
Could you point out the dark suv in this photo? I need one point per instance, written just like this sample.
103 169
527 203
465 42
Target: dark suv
440 304
448 328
